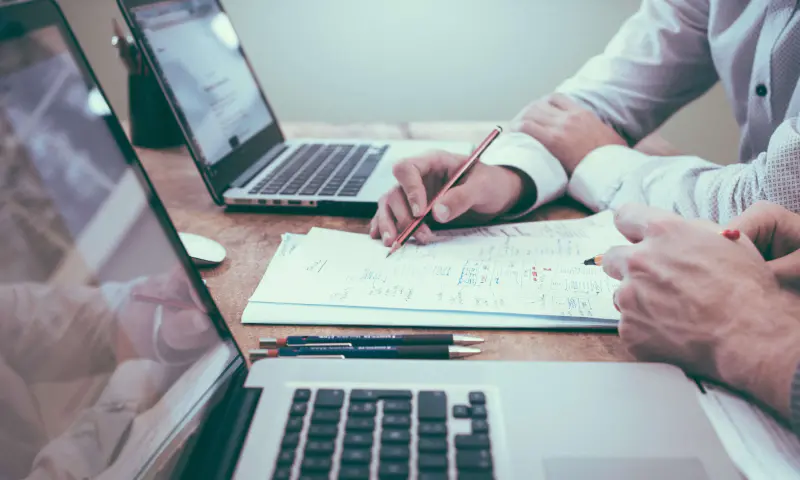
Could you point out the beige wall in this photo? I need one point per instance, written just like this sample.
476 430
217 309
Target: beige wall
399 60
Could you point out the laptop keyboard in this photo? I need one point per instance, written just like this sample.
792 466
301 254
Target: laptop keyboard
322 169
385 434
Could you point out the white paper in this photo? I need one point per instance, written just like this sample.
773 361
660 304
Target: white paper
537 273
761 448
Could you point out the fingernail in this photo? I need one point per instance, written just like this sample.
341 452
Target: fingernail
441 212
615 306
415 210
731 234
385 236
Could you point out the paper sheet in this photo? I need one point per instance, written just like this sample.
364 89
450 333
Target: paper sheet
760 447
538 274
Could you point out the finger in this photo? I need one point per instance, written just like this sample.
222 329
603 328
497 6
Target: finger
562 102
373 227
787 269
455 202
636 221
536 130
615 261
774 230
400 210
424 235
411 173
544 113
385 224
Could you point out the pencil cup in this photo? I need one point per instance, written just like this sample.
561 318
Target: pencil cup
152 122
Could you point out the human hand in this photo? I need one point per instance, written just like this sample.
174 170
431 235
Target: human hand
707 304
486 192
567 130
776 232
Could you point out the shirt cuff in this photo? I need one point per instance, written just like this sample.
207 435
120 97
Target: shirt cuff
599 176
524 153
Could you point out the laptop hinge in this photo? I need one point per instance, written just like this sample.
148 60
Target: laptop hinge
221 439
248 175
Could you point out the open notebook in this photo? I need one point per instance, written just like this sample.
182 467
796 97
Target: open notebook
525 275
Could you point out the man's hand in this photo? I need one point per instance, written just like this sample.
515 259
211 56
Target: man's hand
710 305
485 193
776 232
566 129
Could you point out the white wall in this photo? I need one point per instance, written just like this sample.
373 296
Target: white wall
403 60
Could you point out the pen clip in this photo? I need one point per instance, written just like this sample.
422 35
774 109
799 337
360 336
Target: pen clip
342 357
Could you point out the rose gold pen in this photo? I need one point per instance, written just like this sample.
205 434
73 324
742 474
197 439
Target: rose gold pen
471 161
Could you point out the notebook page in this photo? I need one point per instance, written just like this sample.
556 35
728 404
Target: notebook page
524 276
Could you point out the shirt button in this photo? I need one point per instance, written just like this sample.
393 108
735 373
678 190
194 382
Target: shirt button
761 90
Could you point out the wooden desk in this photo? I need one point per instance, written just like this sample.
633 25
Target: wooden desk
251 240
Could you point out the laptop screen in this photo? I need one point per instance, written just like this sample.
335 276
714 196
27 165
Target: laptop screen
108 342
198 53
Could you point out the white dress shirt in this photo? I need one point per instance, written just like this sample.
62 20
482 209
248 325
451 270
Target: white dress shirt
666 55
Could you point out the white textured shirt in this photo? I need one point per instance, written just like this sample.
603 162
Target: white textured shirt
666 55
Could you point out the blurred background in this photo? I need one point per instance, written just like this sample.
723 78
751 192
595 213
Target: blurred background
348 61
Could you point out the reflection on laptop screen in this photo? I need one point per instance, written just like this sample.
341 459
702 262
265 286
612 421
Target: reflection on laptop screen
198 53
105 346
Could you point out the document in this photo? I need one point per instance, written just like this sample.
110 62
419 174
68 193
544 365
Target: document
504 275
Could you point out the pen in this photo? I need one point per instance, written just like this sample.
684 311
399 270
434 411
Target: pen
598 259
471 161
368 340
430 352
165 301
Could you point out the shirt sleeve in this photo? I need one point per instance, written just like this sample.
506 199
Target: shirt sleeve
690 186
659 61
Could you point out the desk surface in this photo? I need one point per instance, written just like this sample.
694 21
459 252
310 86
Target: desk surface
251 240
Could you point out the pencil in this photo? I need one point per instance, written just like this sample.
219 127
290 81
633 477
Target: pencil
471 161
597 260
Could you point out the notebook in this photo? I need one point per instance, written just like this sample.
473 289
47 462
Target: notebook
524 275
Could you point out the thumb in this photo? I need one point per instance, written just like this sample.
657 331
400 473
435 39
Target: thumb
787 269
455 202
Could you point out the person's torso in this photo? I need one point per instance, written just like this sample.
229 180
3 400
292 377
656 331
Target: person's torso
755 46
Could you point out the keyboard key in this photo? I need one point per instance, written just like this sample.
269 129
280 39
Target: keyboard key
467 441
313 476
393 470
374 395
472 475
316 464
395 436
432 406
295 424
461 411
319 447
474 460
327 398
286 457
302 395
432 476
357 439
478 411
323 431
282 473
432 444
480 426
354 472
360 424
290 440
432 429
325 416
298 409
395 452
396 421
396 406
363 409
477 398
357 456
427 461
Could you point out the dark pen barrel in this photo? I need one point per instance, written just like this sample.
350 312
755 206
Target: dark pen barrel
373 340
433 352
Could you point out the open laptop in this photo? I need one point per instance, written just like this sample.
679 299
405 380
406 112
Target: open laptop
231 130
115 362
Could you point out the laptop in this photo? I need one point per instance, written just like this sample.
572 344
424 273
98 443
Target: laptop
115 362
232 132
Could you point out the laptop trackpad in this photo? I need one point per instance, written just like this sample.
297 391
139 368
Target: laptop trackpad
624 469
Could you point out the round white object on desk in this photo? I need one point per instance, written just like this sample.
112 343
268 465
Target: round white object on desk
204 251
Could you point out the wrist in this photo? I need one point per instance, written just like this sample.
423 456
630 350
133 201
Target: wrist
522 191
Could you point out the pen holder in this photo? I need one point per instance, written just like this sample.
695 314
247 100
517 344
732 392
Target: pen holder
152 122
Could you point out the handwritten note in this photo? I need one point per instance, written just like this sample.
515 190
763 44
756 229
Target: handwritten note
540 274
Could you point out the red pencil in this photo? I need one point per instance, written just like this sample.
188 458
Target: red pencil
471 161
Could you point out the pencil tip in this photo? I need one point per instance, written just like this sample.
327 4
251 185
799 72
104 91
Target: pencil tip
589 261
